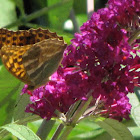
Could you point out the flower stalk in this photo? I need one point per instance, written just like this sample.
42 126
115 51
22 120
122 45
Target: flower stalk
68 115
134 36
99 59
27 18
45 128
79 112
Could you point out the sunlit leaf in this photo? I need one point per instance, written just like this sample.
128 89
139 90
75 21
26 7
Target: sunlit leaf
135 110
116 129
58 15
9 88
20 5
22 132
7 12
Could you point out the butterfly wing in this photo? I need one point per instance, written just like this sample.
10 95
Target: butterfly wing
12 59
42 60
24 37
31 56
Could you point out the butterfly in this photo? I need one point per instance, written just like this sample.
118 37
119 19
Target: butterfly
32 55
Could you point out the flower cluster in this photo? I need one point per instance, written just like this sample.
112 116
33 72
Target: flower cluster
100 59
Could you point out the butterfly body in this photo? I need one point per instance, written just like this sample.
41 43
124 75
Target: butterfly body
31 56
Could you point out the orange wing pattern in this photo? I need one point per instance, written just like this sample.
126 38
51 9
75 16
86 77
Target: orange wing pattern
21 38
31 56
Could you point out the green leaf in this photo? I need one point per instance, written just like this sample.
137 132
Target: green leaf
116 129
133 99
35 125
136 114
80 11
135 110
7 12
86 130
22 132
59 15
23 121
20 5
136 132
9 88
81 18
80 6
19 110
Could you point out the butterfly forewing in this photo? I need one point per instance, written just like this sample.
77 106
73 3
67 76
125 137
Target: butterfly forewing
31 56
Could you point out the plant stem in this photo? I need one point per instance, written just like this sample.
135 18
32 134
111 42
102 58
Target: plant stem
73 108
134 36
35 26
81 109
58 131
68 115
26 18
45 128
74 21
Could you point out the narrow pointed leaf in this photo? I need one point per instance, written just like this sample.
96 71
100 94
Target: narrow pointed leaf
22 132
134 100
116 129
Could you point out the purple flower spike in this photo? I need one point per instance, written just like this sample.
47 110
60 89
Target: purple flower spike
99 59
